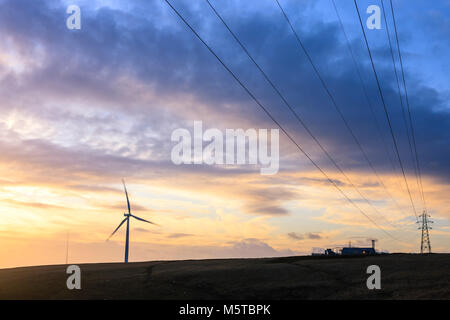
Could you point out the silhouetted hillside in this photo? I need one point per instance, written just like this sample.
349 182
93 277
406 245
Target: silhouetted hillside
403 276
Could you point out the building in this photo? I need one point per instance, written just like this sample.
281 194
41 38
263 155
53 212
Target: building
330 252
347 251
358 251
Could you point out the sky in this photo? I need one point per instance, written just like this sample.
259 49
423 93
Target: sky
82 109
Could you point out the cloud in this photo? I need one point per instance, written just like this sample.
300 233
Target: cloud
94 188
142 84
314 236
123 207
266 210
40 205
309 235
249 248
295 236
179 235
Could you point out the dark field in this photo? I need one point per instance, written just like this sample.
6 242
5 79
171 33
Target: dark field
403 276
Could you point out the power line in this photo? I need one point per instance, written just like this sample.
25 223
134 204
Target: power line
385 110
324 85
400 96
296 115
409 109
377 123
275 121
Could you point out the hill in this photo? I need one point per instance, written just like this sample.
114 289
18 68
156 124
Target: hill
403 276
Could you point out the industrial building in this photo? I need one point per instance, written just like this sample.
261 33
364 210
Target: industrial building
358 251
350 251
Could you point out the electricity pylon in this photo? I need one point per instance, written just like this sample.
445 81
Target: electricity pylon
425 246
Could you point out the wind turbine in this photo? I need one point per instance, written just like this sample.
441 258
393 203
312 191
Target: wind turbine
127 219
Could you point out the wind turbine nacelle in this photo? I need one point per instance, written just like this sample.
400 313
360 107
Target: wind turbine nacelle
126 214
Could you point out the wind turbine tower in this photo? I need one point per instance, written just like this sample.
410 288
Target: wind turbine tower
127 220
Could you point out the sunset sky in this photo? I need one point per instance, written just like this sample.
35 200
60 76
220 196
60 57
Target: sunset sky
82 109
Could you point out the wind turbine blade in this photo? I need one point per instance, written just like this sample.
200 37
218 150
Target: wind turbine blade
118 227
126 193
144 220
